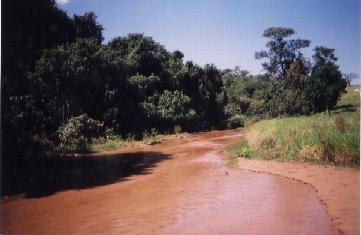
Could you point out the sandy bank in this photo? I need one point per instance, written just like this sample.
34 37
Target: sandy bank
338 188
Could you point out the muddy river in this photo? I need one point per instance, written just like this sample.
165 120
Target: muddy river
187 190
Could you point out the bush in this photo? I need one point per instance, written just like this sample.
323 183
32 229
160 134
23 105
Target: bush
77 133
236 121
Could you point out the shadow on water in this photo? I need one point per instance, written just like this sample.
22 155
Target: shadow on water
345 108
45 176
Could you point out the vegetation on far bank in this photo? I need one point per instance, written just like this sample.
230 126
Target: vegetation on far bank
320 138
113 142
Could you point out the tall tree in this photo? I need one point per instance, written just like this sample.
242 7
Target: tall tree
294 86
29 26
327 79
67 82
281 52
86 26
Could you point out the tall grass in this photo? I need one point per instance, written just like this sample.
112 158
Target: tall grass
318 138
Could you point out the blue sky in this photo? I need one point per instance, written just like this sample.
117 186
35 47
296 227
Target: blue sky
229 32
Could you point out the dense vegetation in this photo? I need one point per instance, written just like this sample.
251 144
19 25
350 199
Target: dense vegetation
317 138
64 89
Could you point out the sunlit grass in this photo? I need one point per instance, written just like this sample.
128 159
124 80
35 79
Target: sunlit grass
317 138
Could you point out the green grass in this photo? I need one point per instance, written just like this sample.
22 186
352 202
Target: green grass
116 142
239 149
111 144
318 138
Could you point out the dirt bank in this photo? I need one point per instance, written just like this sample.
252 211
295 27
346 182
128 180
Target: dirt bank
338 188
187 190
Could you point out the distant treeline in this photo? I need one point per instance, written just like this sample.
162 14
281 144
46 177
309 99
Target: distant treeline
62 87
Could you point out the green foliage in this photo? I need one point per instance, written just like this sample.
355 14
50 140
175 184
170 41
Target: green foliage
326 79
236 121
169 107
280 52
245 152
317 138
145 85
77 133
86 26
143 55
172 105
300 89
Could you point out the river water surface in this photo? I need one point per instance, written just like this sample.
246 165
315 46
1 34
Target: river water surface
189 192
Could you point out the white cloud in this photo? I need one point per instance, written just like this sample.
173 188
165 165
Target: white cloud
62 2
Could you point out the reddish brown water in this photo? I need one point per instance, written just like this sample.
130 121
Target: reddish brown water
193 192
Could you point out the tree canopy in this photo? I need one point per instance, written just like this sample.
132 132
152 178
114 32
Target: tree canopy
281 52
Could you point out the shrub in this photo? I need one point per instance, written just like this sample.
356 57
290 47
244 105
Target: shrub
244 152
77 133
236 121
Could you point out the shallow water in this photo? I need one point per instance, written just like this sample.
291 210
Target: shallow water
193 192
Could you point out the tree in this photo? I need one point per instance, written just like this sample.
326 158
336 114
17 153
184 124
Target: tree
86 26
280 53
349 77
178 54
174 105
145 85
323 55
29 26
169 108
294 86
327 79
67 81
143 55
